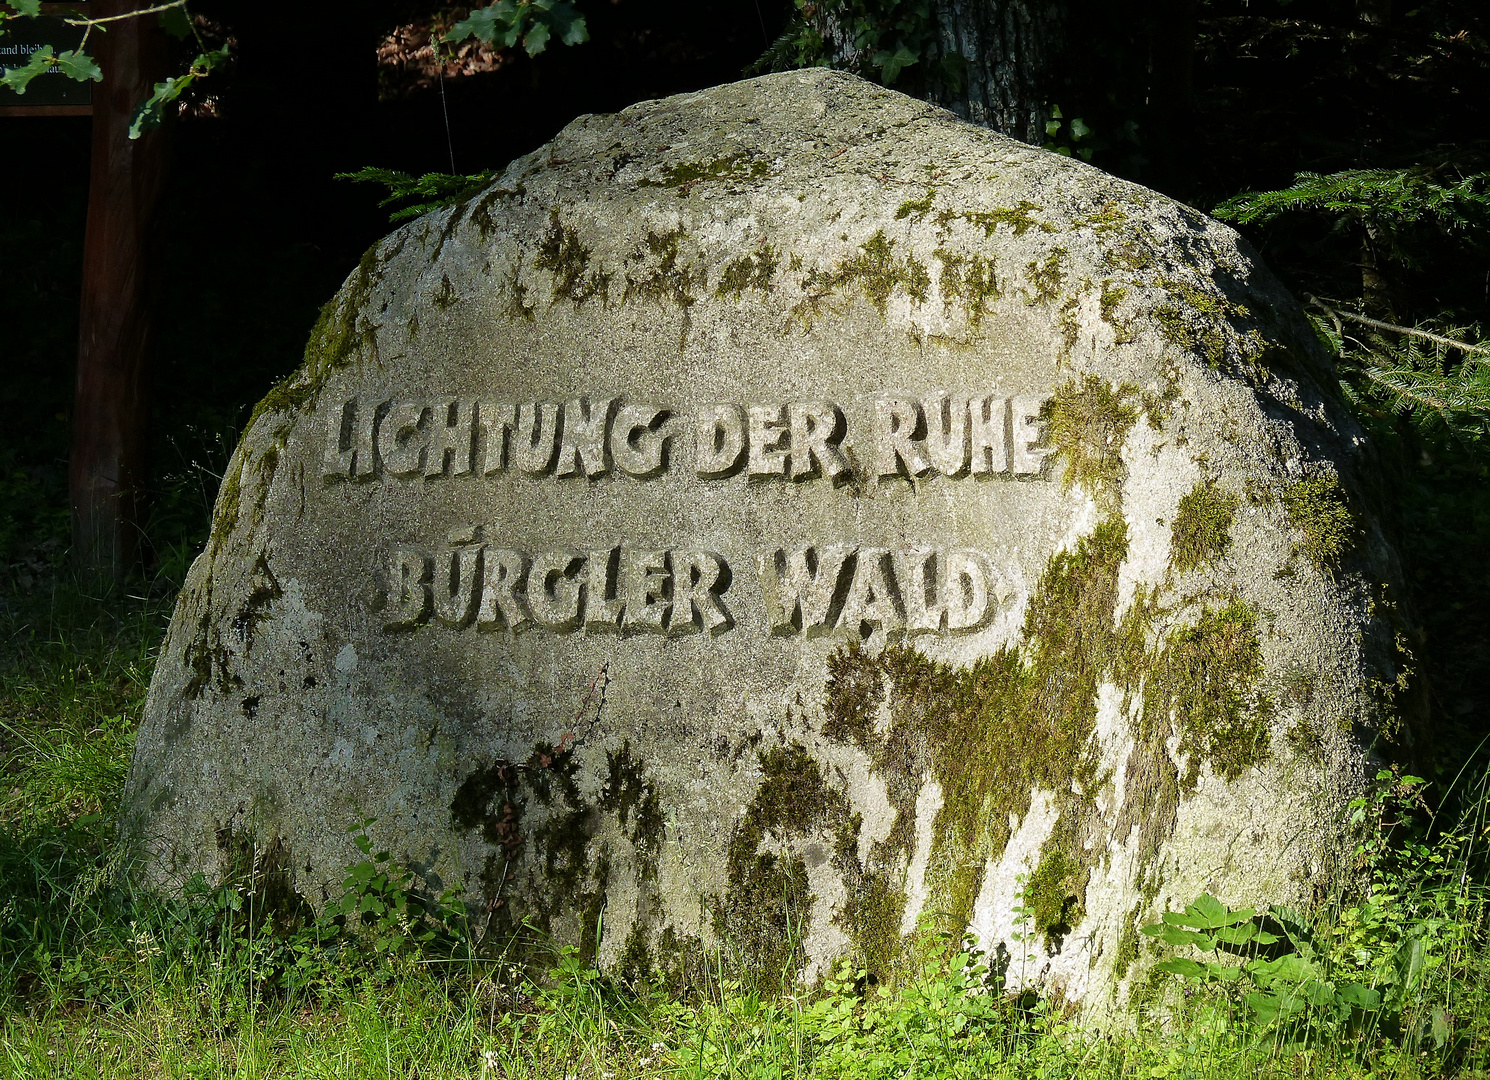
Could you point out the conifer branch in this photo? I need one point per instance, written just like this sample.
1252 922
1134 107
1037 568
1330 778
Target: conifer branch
1412 331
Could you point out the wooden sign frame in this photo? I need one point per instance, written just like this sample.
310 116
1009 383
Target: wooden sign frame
54 110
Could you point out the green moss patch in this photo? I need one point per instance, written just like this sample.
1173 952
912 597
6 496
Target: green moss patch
875 271
968 281
565 256
689 174
1087 423
1318 508
749 272
1050 897
1024 720
916 208
1110 219
1020 219
989 735
1201 531
762 917
342 327
1046 277
660 273
1204 688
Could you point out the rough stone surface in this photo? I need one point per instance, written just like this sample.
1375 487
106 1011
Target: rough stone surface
779 518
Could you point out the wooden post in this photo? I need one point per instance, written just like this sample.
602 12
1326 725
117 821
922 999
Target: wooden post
110 418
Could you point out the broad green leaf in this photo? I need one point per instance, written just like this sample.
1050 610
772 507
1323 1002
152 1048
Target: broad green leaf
1360 996
536 39
570 25
1408 964
480 24
79 66
1321 993
1271 1007
891 64
18 78
1208 913
1175 935
1286 971
1052 127
28 8
1236 935
1180 966
1079 128
176 22
152 110
1440 1028
1299 932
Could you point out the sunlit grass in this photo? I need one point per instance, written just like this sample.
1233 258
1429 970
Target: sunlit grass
99 981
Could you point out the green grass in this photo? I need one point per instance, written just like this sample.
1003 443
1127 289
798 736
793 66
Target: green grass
98 980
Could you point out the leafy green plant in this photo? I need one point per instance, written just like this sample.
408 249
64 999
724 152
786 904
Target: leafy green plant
1395 225
381 905
885 38
533 22
1069 136
422 194
1286 993
78 65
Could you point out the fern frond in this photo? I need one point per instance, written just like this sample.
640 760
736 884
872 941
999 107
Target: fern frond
1397 196
432 191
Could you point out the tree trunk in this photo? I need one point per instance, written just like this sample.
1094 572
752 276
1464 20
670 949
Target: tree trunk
1012 50
994 62
111 407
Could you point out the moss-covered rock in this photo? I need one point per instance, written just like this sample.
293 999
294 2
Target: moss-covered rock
776 523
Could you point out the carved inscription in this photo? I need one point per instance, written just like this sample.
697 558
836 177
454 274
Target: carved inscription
615 590
814 591
944 434
838 588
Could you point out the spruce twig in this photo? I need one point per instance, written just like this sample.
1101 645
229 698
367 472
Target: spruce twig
1412 331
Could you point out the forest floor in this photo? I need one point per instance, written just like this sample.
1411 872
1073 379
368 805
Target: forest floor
97 979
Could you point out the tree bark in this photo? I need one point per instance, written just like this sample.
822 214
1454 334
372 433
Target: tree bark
110 417
1012 50
1005 54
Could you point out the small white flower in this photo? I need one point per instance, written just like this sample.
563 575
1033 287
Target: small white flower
659 1046
644 1062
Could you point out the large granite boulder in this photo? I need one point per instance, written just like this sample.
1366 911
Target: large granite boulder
777 518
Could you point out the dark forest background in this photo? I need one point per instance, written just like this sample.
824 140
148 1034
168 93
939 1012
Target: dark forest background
255 233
